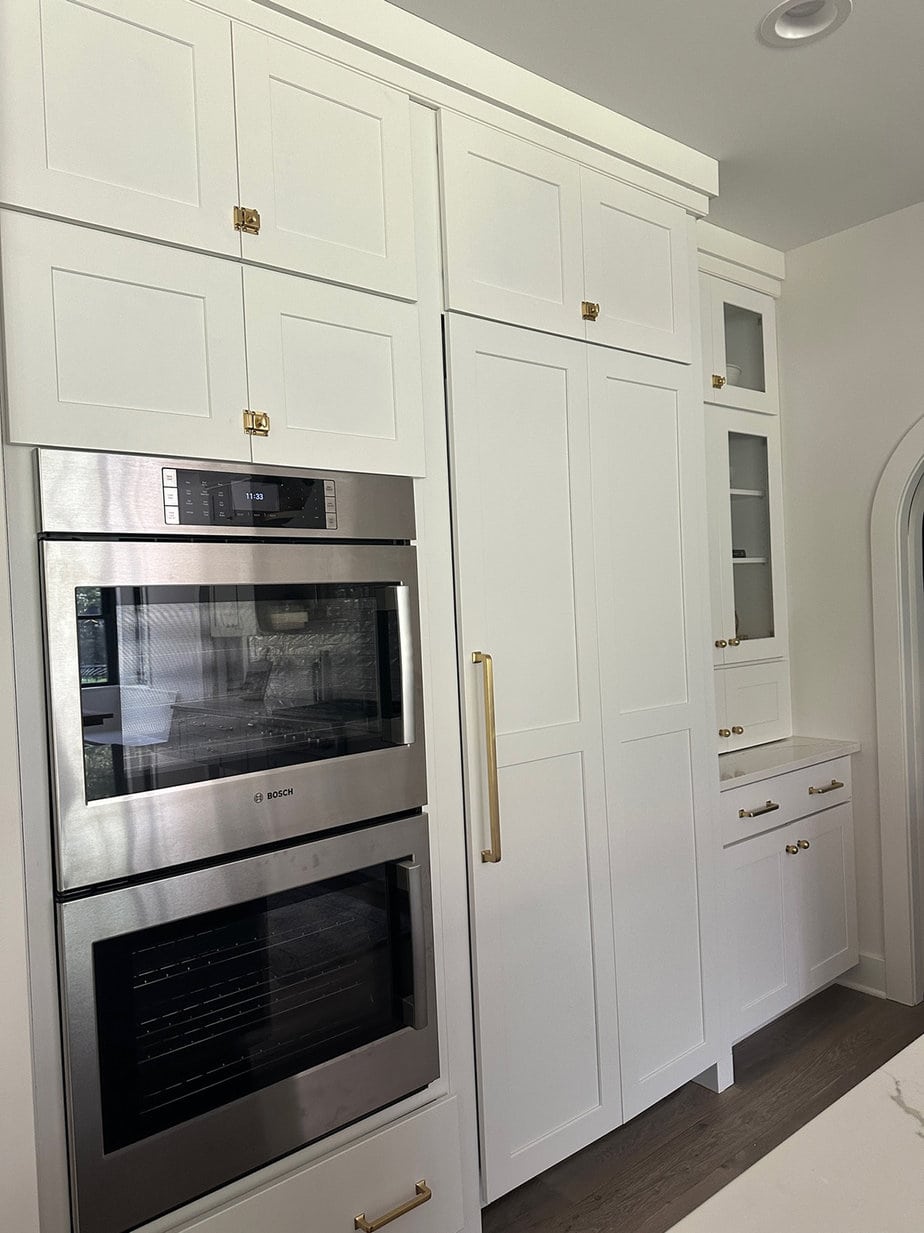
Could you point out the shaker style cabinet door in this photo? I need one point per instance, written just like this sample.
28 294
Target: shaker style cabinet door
739 346
635 268
325 158
112 343
829 896
548 1057
512 228
762 904
338 373
120 113
755 702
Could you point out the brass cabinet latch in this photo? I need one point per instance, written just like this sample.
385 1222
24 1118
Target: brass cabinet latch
589 310
256 423
247 220
717 381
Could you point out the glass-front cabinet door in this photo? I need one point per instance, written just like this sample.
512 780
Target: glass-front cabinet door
745 503
740 351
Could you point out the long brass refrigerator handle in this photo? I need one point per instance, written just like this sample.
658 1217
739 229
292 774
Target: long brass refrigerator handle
493 854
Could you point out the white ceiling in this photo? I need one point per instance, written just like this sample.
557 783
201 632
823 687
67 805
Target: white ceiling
810 140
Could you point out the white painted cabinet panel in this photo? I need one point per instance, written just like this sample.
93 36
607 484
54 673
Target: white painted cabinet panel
338 373
371 1178
636 268
325 156
756 699
649 534
829 896
121 114
112 343
512 228
543 941
762 904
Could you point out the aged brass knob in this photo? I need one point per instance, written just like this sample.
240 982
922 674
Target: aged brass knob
720 642
724 732
792 849
717 381
738 730
804 844
734 642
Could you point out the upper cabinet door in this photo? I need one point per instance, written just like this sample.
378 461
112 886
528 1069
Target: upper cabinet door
120 113
337 372
512 229
739 337
112 343
325 157
635 269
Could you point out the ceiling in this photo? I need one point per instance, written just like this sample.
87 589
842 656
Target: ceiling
811 140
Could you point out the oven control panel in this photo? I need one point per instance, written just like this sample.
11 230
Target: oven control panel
233 499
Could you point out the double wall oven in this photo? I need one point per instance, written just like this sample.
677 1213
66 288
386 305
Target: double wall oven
242 860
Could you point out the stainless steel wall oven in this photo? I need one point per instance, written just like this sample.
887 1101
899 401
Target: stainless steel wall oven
242 864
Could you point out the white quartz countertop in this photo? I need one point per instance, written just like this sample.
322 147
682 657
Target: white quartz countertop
856 1168
792 754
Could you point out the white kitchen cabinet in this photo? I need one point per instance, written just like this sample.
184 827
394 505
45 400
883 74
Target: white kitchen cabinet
325 158
739 346
338 373
790 892
535 239
650 556
752 703
112 343
414 1160
635 269
548 1054
121 114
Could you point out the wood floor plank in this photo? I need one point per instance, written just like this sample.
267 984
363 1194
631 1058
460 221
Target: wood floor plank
647 1175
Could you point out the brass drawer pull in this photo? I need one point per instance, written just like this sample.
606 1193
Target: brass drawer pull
792 849
829 787
422 1194
803 844
755 813
490 855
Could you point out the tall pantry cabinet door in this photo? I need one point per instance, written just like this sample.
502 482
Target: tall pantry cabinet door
636 268
762 906
338 373
325 157
543 951
650 545
829 895
114 343
120 113
512 228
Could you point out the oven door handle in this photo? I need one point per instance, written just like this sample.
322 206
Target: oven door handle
416 1012
399 602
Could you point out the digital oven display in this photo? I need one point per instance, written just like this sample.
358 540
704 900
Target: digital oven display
232 499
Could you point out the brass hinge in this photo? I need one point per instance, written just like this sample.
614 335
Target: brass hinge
256 423
247 220
590 311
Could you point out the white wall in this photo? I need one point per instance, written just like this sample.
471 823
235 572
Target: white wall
852 348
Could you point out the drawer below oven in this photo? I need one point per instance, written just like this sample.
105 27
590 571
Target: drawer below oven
372 1178
783 798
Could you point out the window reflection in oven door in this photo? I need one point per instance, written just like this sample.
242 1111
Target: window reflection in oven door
221 1018
208 698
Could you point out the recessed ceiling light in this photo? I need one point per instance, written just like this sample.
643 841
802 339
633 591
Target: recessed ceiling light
803 21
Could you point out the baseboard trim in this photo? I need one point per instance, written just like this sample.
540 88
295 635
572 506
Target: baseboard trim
867 977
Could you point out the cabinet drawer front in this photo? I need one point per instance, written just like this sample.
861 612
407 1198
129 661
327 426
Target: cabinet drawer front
790 792
372 1179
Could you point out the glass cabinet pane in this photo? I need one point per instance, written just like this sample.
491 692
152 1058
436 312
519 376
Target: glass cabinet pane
180 684
751 544
744 347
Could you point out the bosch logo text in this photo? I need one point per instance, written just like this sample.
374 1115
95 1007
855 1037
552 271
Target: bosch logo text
273 796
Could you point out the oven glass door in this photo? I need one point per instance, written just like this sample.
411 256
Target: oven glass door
223 1017
208 698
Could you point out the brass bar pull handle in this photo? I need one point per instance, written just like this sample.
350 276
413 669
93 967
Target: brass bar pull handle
829 787
755 813
422 1194
492 854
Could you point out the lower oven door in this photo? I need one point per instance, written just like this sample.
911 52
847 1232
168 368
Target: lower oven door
209 698
218 1019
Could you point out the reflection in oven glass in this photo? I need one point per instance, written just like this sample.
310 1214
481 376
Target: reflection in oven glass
187 683
200 1012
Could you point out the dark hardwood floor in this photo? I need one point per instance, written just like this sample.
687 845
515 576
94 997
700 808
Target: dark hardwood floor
651 1172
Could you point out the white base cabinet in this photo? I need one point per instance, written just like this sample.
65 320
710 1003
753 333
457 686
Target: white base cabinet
790 892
